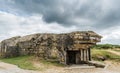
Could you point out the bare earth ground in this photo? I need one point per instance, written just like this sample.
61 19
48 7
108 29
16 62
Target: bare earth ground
112 67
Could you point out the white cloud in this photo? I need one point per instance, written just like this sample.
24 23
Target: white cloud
18 17
13 25
111 35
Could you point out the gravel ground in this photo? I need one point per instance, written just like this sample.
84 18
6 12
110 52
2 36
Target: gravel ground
9 68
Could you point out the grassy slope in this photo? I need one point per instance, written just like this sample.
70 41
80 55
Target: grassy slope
27 62
103 53
22 62
117 50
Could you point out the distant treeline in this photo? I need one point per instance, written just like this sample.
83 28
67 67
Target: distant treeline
105 46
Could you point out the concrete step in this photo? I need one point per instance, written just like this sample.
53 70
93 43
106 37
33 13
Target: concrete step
97 64
85 66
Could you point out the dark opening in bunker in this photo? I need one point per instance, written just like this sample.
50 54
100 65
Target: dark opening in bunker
81 56
71 57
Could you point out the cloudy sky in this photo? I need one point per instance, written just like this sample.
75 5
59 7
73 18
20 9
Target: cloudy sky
22 17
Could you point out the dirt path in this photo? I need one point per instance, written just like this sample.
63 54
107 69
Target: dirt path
114 52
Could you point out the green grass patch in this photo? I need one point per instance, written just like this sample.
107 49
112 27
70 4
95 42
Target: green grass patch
22 62
54 63
97 53
117 50
27 62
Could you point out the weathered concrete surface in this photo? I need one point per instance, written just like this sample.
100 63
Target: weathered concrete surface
8 47
96 64
51 46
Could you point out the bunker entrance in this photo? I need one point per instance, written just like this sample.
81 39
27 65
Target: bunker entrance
78 57
71 57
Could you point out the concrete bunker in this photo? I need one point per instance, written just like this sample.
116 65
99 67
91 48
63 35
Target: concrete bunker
72 48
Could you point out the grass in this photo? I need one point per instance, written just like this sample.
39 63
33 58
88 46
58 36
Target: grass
103 53
54 63
117 50
22 62
27 62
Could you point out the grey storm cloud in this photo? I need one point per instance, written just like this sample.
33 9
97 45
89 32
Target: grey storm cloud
99 13
101 16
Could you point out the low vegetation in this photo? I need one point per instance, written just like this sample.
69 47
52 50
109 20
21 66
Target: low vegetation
102 54
106 46
118 50
22 62
31 62
99 53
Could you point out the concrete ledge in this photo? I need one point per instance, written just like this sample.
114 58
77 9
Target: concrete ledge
96 64
75 66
